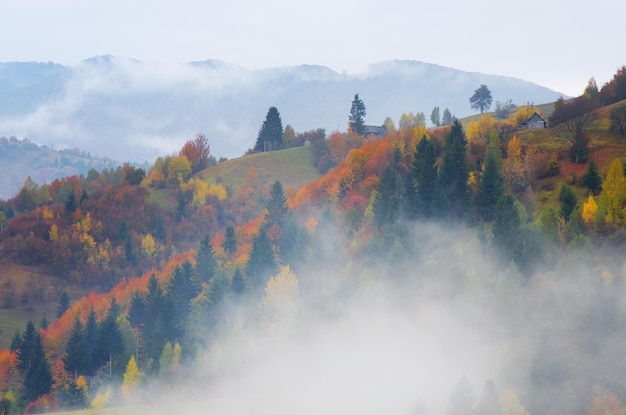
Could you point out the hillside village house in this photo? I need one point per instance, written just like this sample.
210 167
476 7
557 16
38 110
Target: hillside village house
375 130
534 122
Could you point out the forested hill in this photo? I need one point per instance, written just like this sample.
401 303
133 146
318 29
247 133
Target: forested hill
21 158
489 253
127 110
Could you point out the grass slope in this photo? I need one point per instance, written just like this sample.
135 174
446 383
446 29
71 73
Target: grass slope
27 293
293 167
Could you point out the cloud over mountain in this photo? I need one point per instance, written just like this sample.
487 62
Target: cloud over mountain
135 111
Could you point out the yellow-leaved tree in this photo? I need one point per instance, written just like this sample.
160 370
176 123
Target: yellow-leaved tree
280 306
612 199
132 378
510 404
590 207
479 130
513 168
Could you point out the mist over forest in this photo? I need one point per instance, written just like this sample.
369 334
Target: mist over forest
473 267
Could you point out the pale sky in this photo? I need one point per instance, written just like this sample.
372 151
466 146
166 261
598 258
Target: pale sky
556 43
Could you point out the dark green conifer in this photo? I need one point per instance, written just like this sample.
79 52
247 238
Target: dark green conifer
64 304
74 360
230 241
261 263
490 188
592 179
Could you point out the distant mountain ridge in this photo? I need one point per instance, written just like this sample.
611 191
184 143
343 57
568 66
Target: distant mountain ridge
135 111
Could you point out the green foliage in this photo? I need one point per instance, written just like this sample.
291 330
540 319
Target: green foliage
507 234
205 261
481 100
64 303
452 181
229 244
75 359
276 206
33 365
356 120
446 118
434 117
490 188
271 133
261 264
592 179
568 201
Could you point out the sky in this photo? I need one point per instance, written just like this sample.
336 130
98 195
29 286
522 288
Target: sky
560 44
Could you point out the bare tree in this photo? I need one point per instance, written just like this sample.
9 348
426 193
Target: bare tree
576 132
618 119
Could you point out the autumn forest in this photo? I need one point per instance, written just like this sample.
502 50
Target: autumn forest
477 265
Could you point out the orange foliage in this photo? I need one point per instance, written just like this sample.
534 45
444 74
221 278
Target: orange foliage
8 368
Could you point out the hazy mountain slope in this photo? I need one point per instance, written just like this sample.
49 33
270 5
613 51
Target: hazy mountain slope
22 158
130 110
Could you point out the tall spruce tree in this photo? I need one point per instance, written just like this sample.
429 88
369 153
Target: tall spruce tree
453 189
592 179
271 133
230 241
75 359
490 188
507 230
92 361
37 376
426 176
387 197
64 304
276 206
568 201
205 261
356 120
110 340
261 263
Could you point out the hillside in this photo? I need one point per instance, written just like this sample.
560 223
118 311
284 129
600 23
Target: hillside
496 252
127 110
292 167
23 158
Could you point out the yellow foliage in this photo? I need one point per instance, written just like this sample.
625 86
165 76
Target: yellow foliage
513 170
81 384
613 195
589 209
148 245
101 400
480 129
132 377
280 306
54 232
521 115
47 213
218 191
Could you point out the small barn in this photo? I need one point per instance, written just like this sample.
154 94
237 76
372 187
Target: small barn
534 122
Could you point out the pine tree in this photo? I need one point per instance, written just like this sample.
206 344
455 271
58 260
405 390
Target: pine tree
426 176
230 241
137 309
276 206
386 202
238 284
271 133
356 120
179 294
110 340
261 262
568 201
507 236
454 192
38 376
75 358
16 341
92 360
25 350
592 179
64 304
490 188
